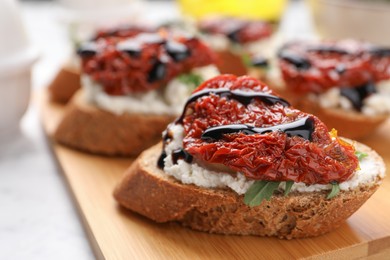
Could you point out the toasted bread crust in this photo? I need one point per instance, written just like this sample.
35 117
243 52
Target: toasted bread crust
65 84
148 191
230 63
88 128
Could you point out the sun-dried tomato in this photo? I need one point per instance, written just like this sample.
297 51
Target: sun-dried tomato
317 67
144 62
273 156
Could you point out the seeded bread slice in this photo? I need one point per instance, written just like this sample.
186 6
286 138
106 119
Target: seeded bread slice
88 128
148 191
64 84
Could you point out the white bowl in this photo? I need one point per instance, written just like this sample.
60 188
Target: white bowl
362 20
15 83
12 33
16 60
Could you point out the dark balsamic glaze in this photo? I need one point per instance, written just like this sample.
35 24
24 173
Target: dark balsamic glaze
243 97
87 49
176 155
303 127
132 48
340 68
158 71
380 51
160 161
233 35
167 136
181 154
260 62
358 94
299 62
328 49
177 51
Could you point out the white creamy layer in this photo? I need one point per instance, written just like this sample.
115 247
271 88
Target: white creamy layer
170 101
192 173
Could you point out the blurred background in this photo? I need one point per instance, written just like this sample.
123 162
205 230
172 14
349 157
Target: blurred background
37 218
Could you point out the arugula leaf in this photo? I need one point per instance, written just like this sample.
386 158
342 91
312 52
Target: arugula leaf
191 80
253 190
259 191
360 155
289 184
335 190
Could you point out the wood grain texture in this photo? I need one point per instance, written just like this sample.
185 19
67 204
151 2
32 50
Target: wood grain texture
116 233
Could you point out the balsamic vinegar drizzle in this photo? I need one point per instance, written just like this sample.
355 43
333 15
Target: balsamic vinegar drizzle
299 62
380 51
303 127
259 62
340 68
160 161
132 48
243 97
158 71
177 51
181 154
358 94
328 49
234 35
87 49
176 155
167 137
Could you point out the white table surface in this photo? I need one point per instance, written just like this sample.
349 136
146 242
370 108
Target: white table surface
38 219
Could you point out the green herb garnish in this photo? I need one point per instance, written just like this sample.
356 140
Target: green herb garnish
289 184
191 80
360 155
246 59
335 190
259 191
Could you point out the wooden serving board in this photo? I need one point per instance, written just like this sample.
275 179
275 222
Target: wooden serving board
116 233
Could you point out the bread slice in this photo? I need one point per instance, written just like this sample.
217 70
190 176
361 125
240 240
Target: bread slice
65 84
88 128
230 63
148 191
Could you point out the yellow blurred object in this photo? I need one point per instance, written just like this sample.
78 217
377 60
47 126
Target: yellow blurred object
270 10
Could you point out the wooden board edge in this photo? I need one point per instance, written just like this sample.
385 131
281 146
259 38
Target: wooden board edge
52 146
